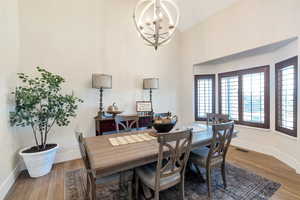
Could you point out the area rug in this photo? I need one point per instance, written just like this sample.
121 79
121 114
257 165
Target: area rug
241 185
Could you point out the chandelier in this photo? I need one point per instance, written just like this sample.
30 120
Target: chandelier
156 21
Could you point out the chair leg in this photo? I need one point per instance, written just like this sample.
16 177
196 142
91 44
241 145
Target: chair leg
156 195
223 169
88 187
136 187
208 181
93 190
181 190
130 190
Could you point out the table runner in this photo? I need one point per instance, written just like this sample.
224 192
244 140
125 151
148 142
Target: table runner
129 139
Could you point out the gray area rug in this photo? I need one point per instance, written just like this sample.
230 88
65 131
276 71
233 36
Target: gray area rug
241 185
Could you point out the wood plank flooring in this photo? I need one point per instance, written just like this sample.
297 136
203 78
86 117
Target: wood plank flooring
51 186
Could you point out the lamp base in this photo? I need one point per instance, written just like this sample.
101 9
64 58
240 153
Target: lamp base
101 114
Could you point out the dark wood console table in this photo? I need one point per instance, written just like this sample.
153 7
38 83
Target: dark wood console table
106 125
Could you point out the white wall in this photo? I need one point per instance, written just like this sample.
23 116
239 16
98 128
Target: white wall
78 38
246 25
9 45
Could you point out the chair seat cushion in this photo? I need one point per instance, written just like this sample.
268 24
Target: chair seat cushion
114 178
199 157
147 174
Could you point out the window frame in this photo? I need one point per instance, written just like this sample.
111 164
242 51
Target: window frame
196 78
239 74
278 66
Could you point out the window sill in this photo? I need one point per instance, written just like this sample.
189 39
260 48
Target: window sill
267 130
242 126
285 135
253 128
259 129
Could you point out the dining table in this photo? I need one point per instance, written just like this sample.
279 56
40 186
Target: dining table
107 159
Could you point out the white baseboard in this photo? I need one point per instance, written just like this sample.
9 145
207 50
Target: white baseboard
272 151
9 181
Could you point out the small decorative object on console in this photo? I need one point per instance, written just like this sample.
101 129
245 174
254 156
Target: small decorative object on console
113 109
144 108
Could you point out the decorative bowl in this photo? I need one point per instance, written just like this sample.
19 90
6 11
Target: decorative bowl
166 125
163 128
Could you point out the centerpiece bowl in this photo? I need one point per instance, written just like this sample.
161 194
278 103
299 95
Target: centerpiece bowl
165 125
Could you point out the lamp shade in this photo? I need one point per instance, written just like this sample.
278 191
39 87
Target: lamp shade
151 83
102 81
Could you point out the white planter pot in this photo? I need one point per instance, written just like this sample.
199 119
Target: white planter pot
40 163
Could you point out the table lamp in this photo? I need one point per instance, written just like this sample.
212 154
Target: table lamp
101 81
150 84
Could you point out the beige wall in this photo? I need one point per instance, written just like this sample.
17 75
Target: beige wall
78 38
9 45
246 25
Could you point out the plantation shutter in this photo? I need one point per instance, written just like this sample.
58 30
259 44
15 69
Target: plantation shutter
204 96
286 96
230 97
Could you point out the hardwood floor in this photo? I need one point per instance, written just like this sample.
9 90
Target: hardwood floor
51 187
270 168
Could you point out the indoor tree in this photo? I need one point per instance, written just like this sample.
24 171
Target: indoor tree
41 105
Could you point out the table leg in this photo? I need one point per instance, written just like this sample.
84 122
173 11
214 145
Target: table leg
193 170
147 192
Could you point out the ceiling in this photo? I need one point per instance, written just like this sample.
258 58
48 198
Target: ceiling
194 11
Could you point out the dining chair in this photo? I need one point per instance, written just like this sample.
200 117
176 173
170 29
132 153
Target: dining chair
128 123
214 156
214 118
93 179
169 171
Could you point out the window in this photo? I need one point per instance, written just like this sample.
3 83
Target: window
286 96
229 96
204 96
244 96
253 97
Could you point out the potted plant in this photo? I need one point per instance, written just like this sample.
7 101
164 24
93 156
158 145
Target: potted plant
40 105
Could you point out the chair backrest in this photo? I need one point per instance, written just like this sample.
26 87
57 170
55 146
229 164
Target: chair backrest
222 135
174 150
127 122
214 118
83 151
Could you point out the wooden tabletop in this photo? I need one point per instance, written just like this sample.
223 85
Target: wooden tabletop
107 159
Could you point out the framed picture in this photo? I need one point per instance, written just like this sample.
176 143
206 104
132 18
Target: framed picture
143 106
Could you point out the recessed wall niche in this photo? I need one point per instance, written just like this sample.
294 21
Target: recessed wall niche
260 56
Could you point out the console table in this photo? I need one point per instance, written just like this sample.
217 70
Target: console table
106 125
